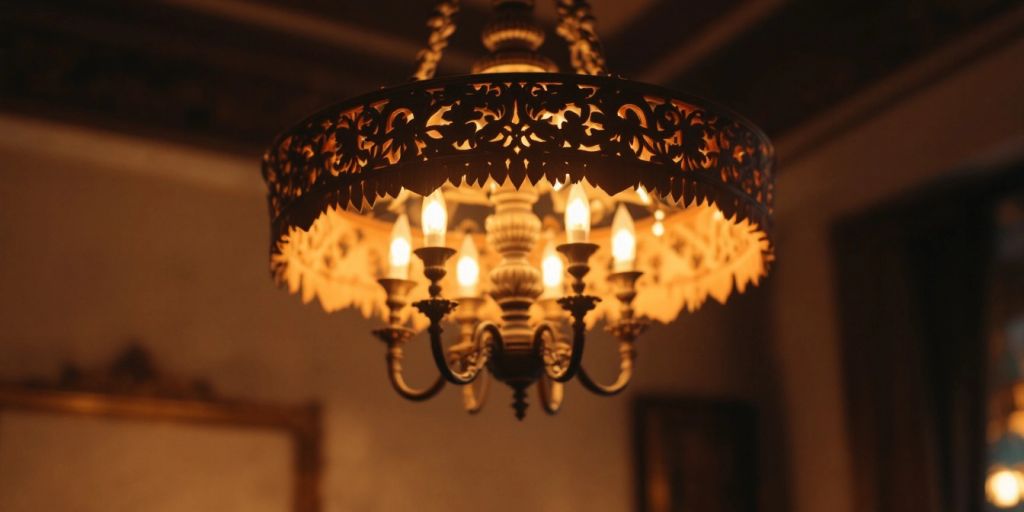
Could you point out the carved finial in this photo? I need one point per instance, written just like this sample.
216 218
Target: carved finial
519 402
513 36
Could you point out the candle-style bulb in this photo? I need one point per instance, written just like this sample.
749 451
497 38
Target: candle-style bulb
467 268
434 219
577 215
623 241
400 249
552 271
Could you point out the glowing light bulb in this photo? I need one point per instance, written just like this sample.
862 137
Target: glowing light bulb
1004 486
641 192
577 215
658 228
400 249
552 271
434 219
467 268
623 241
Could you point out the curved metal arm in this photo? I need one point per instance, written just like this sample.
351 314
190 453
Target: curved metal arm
436 309
473 399
480 356
567 372
394 358
626 355
550 397
578 306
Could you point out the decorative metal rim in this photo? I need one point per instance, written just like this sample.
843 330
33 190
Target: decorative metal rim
520 126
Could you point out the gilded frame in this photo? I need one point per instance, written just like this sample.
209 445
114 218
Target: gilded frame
132 390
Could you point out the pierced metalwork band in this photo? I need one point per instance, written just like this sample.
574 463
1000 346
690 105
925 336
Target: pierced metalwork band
519 126
506 129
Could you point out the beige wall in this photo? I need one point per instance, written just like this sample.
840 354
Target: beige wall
105 238
99 463
962 120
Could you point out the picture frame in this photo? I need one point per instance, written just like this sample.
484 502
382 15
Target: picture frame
132 389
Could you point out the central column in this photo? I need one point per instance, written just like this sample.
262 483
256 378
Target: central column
513 230
513 37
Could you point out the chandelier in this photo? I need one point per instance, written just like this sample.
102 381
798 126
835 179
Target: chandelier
585 198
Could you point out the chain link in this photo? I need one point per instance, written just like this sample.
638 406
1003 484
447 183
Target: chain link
442 26
576 26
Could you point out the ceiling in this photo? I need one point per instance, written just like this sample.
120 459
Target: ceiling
232 73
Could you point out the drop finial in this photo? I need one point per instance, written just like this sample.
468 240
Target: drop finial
519 402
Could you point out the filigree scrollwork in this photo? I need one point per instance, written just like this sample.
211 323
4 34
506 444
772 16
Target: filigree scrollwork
519 126
563 370
459 365
555 352
684 159
469 365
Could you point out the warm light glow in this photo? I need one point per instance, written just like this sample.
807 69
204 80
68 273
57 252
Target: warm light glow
577 215
467 268
559 184
510 153
1003 487
623 241
1015 422
1018 395
641 192
434 219
552 271
658 228
400 249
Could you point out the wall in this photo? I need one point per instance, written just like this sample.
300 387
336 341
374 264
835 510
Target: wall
967 119
106 238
